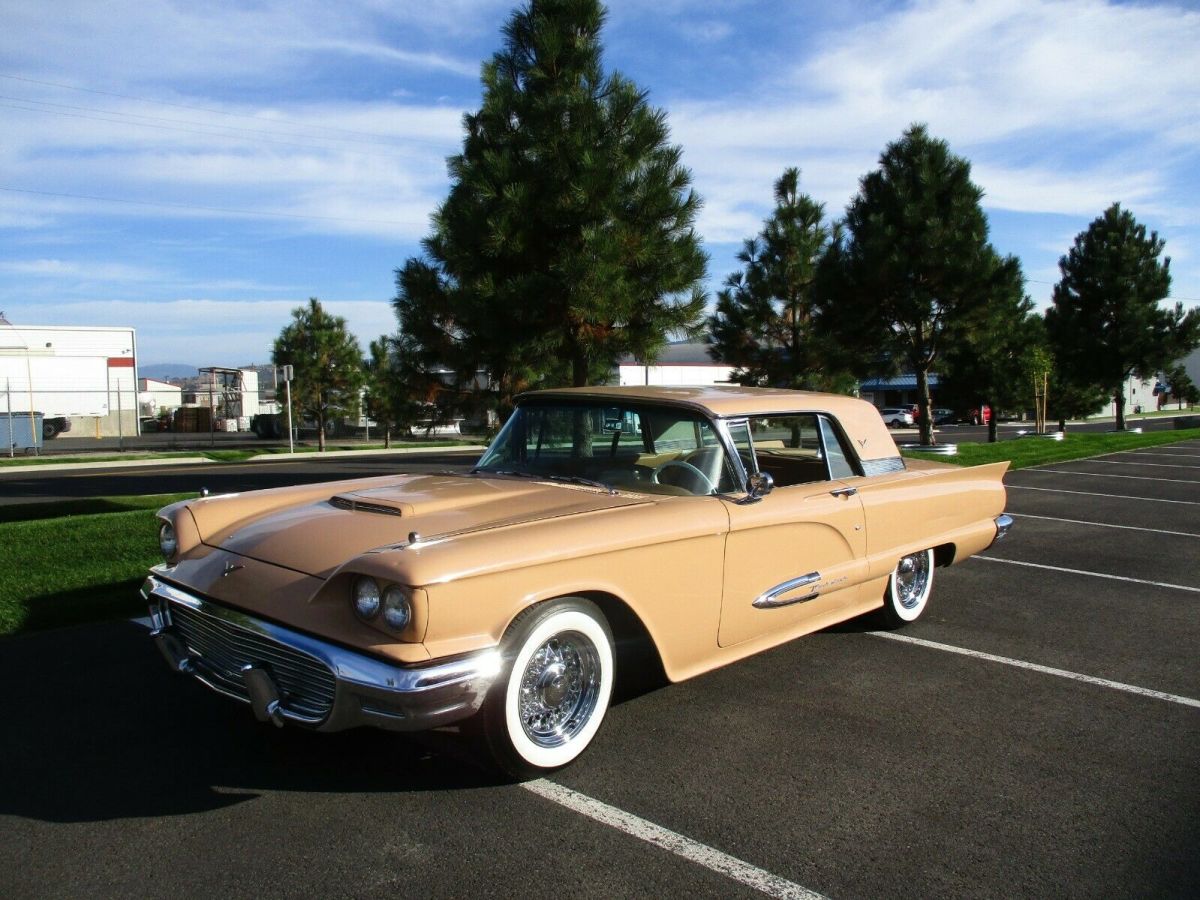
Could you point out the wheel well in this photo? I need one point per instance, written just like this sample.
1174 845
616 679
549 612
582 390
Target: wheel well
639 665
944 555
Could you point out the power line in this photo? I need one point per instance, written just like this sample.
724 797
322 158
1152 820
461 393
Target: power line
218 112
126 115
1171 297
212 134
189 206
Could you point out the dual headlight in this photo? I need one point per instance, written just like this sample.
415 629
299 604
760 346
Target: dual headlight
394 600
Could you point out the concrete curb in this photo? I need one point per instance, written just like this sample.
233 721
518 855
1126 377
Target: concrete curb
26 470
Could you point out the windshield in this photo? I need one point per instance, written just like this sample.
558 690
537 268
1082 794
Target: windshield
635 448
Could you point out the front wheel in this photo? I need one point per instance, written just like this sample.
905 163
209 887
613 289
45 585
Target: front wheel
908 589
554 687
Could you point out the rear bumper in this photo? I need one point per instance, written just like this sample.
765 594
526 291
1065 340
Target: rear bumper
288 676
1004 524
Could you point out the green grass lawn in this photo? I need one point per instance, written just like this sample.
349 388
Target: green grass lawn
74 569
1033 451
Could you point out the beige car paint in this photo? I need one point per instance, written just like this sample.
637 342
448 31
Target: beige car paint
688 566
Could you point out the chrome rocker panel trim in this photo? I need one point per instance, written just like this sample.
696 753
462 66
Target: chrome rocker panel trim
367 691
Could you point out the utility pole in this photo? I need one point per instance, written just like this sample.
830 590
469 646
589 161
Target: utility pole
287 385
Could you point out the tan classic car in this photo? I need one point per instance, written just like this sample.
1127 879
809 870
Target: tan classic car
710 523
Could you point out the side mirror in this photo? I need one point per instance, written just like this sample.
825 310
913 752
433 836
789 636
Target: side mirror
760 484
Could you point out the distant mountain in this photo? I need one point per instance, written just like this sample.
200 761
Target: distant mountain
166 370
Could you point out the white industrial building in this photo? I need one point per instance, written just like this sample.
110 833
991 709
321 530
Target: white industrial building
83 380
680 364
156 397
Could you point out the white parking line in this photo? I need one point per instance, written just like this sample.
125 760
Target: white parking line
1105 525
1102 475
1017 562
723 863
1138 462
1026 487
1195 455
1045 670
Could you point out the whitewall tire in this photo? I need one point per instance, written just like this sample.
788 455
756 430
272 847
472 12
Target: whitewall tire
554 687
908 589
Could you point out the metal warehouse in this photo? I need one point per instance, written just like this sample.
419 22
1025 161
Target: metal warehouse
82 380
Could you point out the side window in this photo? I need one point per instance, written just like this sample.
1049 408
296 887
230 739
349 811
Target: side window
838 457
789 448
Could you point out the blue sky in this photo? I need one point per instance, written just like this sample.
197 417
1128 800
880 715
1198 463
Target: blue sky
198 169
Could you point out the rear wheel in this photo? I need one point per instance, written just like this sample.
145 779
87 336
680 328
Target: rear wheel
553 689
908 590
49 430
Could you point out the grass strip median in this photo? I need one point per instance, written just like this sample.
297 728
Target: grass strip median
79 567
1039 451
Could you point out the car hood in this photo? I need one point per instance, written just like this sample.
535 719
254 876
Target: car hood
319 530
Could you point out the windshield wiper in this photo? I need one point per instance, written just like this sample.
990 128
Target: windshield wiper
579 479
565 479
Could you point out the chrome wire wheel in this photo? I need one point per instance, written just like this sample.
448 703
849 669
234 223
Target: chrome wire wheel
559 689
908 589
553 691
912 580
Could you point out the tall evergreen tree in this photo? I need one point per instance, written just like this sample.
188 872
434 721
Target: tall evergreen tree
990 354
567 238
327 365
915 260
1107 322
763 321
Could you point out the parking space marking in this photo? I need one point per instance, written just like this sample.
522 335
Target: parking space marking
1026 487
1034 667
1017 562
1195 455
722 863
1101 475
1126 462
1105 525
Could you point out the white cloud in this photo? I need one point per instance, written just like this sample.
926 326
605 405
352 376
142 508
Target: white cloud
1047 89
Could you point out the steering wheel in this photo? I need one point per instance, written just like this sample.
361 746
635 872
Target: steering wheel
690 469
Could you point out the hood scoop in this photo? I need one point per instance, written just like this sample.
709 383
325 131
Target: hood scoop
342 501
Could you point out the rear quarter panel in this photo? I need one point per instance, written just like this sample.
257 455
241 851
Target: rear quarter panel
927 505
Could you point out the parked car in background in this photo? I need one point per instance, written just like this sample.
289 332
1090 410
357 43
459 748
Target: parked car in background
897 416
695 526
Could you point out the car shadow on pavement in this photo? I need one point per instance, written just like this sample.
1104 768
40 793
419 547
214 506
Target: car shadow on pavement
96 728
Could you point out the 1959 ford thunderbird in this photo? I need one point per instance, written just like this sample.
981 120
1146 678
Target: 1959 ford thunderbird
711 523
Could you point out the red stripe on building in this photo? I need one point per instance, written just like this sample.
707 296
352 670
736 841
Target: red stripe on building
120 362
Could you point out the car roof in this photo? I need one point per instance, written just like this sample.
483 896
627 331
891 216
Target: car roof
860 419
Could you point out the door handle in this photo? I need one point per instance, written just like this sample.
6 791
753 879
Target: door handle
845 492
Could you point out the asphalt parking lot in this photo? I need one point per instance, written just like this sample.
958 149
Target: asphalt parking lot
1034 735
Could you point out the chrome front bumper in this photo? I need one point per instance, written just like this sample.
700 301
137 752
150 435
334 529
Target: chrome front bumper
289 676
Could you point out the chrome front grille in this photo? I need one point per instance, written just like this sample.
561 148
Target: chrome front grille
306 685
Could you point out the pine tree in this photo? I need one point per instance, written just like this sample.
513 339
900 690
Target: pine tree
763 322
914 260
1107 322
567 238
327 364
990 351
